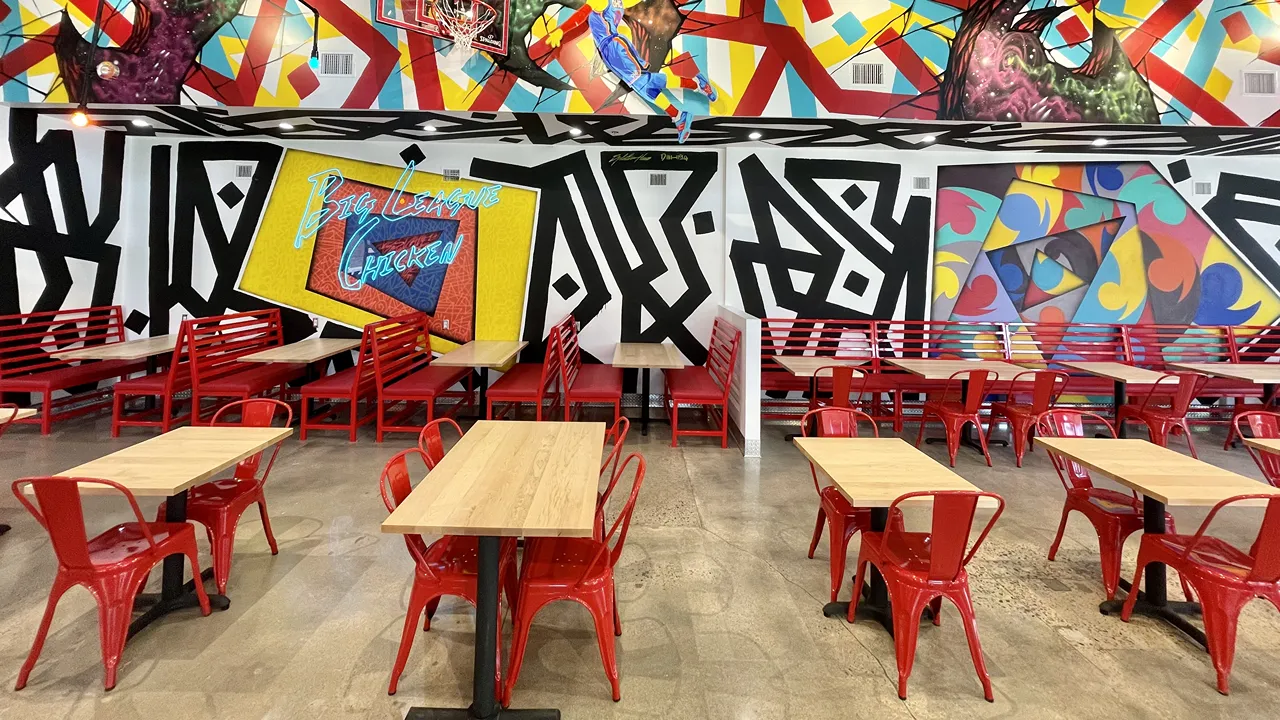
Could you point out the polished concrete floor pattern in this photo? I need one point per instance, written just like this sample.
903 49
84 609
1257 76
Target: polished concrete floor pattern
721 610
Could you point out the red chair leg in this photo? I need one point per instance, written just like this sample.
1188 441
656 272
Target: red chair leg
859 573
982 440
840 533
46 413
935 609
1062 527
1111 537
907 603
1221 609
266 523
115 594
222 539
1186 431
964 604
430 612
953 431
519 640
602 614
617 619
1020 431
817 531
60 586
417 601
675 421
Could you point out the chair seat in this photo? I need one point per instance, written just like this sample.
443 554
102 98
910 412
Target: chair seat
834 500
693 384
1156 413
59 378
454 555
521 382
908 553
1009 409
954 407
125 542
562 562
429 382
219 493
1211 556
252 379
336 385
1112 502
597 381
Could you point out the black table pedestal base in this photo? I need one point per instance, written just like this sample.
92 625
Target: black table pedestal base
468 714
1175 613
153 606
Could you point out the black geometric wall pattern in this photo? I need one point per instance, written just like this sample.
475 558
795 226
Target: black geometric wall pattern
84 238
1246 198
904 265
558 215
657 130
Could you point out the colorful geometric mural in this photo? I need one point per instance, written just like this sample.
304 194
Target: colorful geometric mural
1113 61
1087 243
355 242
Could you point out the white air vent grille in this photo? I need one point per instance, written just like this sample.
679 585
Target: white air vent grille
866 73
244 171
452 174
337 64
1259 83
658 179
921 183
1203 188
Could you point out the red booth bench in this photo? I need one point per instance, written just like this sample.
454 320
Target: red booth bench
405 378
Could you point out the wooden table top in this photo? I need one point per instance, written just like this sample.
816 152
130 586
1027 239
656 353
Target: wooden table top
10 414
1257 373
807 365
510 479
1114 370
304 351
873 472
482 353
647 355
127 350
1270 445
939 369
177 460
1159 473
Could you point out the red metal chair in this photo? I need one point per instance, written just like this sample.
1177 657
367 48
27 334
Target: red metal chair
1225 577
1046 386
1159 419
445 567
577 569
842 385
955 415
8 414
921 568
834 509
1263 424
613 442
1114 515
431 440
113 565
218 505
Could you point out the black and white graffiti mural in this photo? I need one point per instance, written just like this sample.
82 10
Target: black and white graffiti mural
826 238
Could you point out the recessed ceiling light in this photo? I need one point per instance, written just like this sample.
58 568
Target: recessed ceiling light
286 126
755 136
139 122
430 128
928 138
574 131
1099 142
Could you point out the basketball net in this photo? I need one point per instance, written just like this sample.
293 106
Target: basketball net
464 20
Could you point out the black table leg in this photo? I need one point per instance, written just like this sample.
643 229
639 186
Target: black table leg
484 706
644 401
813 404
1268 394
311 376
481 411
174 593
149 401
875 603
1117 403
1155 601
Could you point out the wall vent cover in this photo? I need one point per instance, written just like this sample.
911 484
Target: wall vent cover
1203 188
244 171
452 174
1259 83
921 183
866 73
333 64
658 179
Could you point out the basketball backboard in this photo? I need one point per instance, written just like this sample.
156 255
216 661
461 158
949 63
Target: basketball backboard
420 16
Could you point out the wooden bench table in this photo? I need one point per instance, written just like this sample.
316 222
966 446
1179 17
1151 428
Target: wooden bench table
1164 477
504 479
1122 375
872 473
645 357
482 355
167 466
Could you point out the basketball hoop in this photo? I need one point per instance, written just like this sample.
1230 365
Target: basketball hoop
464 20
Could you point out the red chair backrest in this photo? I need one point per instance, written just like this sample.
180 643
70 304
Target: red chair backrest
1046 386
27 340
216 344
1189 385
1266 547
431 440
980 383
722 354
61 514
401 345
837 422
255 412
1262 424
395 485
618 531
842 382
953 512
613 442
1064 422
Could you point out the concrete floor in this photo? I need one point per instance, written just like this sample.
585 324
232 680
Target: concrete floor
721 610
